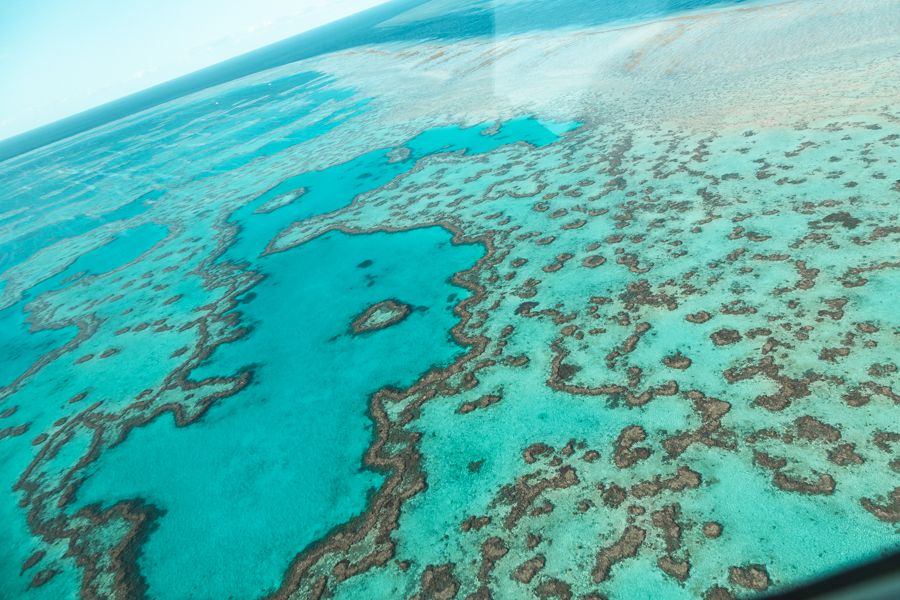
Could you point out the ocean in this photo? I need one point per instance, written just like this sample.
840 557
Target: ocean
465 299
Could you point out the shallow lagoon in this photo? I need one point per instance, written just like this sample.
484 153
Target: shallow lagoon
628 279
301 427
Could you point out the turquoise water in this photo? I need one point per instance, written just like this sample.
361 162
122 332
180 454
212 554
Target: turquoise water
301 427
475 18
299 408
24 347
510 300
313 193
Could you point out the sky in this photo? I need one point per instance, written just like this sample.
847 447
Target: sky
60 57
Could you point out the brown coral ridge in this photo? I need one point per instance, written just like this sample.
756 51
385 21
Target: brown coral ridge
528 488
752 577
812 429
677 361
724 337
821 484
625 454
710 433
437 583
625 547
492 550
666 519
482 402
684 478
396 310
553 588
526 571
712 530
887 510
789 388
808 430
561 372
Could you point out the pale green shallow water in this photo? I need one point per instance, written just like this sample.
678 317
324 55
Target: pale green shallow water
634 332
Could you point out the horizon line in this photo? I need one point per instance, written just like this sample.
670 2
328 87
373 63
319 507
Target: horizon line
314 42
347 32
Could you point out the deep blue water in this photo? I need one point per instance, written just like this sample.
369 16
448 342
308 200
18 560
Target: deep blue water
479 19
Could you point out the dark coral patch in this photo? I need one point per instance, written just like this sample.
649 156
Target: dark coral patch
380 316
